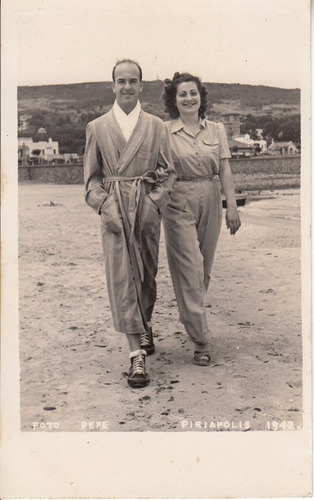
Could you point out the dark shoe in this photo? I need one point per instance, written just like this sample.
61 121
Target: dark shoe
201 358
138 376
147 342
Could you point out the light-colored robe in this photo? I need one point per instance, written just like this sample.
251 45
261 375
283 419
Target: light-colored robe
130 211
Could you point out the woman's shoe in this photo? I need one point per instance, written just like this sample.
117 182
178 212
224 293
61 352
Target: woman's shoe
201 358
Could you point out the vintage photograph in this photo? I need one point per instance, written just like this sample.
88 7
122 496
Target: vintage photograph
162 165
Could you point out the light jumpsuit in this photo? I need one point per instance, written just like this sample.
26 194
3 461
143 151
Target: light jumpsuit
192 219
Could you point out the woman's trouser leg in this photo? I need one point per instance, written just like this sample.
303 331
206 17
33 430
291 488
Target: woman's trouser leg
192 224
209 226
186 263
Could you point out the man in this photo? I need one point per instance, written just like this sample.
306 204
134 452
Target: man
128 175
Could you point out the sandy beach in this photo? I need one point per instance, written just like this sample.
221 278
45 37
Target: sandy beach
74 366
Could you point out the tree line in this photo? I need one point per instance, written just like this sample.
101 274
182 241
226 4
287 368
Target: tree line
68 128
279 128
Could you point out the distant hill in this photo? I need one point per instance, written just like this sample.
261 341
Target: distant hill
88 96
64 110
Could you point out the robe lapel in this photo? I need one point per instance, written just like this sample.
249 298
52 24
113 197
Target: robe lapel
115 133
120 152
110 141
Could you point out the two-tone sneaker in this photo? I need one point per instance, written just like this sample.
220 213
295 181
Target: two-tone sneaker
147 342
138 376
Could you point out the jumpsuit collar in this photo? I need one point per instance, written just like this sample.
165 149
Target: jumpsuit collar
177 124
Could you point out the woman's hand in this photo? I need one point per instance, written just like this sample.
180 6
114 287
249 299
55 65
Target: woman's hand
233 219
232 216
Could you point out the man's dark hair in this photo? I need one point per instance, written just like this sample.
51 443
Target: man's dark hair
121 61
170 93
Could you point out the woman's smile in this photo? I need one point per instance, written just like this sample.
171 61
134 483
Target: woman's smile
188 97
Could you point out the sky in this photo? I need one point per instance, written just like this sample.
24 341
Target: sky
257 42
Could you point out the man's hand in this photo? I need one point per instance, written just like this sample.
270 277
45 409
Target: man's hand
233 220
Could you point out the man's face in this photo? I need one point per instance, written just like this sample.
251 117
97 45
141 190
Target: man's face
127 86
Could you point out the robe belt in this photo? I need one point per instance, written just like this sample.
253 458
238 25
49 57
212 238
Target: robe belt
129 217
151 177
198 178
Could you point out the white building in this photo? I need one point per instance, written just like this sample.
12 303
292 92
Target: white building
283 148
262 144
246 139
26 147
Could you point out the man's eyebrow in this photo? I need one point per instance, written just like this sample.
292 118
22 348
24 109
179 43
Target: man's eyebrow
124 79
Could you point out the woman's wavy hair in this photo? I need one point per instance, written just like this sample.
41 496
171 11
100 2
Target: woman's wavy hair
170 93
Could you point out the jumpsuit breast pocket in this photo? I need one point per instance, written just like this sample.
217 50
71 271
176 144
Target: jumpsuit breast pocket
211 150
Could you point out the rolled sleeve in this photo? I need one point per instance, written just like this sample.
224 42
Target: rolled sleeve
224 151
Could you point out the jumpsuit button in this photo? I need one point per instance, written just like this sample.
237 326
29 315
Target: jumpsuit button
196 153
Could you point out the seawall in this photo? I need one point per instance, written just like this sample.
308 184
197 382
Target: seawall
276 172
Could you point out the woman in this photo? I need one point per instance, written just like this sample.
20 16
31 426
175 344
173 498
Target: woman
192 220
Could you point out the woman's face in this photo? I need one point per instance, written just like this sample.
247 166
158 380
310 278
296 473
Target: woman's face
188 99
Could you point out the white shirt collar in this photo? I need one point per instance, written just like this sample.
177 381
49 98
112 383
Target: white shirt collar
126 122
121 115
